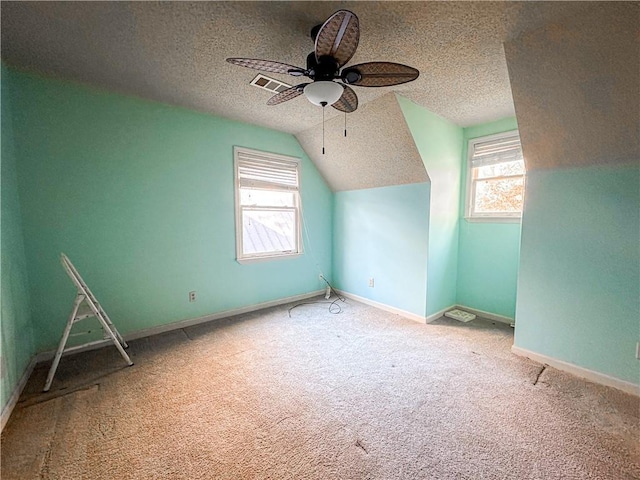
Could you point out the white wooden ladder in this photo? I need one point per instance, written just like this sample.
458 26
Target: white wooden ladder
85 306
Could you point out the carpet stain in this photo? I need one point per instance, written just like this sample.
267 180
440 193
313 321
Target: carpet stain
63 392
284 418
186 334
544 367
359 444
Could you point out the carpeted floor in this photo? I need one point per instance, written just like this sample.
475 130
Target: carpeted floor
364 394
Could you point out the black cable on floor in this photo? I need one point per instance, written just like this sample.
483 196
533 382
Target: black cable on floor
334 307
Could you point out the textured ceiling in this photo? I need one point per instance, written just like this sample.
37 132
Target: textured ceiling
378 150
576 86
174 52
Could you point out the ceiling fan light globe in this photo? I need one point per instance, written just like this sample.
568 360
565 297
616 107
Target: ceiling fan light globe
323 92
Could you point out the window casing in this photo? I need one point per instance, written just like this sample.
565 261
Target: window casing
267 198
495 178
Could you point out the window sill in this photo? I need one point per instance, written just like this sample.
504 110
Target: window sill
493 219
267 258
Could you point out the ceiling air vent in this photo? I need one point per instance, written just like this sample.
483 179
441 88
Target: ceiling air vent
270 84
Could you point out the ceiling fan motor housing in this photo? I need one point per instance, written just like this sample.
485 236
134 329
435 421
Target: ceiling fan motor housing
324 68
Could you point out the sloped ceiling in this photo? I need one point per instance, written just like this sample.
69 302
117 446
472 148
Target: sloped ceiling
174 52
576 87
378 150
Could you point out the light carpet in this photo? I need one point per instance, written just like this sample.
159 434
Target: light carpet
364 394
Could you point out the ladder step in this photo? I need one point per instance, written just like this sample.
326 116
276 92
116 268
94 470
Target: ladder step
77 334
86 346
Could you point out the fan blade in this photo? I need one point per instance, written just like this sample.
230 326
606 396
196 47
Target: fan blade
348 102
267 66
288 94
379 74
338 37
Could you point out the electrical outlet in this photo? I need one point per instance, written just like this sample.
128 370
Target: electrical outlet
192 296
371 282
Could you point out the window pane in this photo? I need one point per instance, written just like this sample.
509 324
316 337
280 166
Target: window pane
268 231
499 196
270 198
501 169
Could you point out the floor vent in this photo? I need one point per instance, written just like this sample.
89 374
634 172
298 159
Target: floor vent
270 84
460 315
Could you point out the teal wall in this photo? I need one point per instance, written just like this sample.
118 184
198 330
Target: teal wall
140 196
383 233
579 280
15 315
489 252
439 143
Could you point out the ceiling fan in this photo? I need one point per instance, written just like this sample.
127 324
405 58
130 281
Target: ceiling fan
336 41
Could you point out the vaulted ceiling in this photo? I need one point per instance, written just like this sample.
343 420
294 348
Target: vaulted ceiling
378 150
174 52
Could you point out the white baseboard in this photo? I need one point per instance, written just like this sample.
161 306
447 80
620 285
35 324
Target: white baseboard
189 322
217 316
581 372
17 391
487 315
382 306
430 318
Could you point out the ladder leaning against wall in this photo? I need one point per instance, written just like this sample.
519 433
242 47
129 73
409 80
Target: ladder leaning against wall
84 306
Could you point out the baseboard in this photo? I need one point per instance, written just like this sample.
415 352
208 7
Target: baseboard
435 316
17 391
581 372
487 315
147 332
382 306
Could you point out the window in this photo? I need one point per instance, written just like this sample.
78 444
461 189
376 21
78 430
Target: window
267 205
495 178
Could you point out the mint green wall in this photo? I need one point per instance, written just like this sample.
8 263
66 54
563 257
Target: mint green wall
440 145
140 196
383 233
488 253
15 314
579 280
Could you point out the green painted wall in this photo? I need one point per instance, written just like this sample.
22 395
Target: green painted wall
15 315
489 252
440 145
579 279
140 196
383 233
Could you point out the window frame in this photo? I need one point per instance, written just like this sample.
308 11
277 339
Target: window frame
469 214
262 257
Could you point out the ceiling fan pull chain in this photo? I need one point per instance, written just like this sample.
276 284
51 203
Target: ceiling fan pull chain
345 123
323 129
